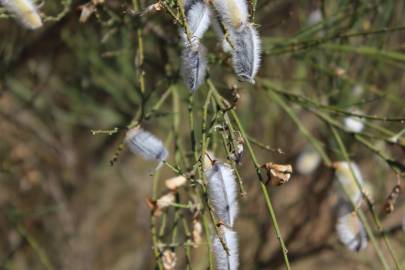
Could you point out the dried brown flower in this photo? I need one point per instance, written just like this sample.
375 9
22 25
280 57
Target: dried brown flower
175 182
389 205
278 174
160 204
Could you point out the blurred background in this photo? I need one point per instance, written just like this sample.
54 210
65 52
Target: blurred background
63 206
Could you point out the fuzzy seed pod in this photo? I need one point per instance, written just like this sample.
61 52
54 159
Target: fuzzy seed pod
353 124
146 145
25 12
194 66
314 17
222 191
188 4
198 20
223 260
194 56
308 161
349 228
348 181
246 52
233 13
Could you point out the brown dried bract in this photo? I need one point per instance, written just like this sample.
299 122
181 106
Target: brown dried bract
88 9
160 204
389 205
197 233
278 174
175 182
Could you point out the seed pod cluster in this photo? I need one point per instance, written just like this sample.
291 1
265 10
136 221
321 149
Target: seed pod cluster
241 39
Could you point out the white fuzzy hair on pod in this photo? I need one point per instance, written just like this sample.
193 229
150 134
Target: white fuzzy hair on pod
223 260
233 12
353 124
198 21
194 55
246 51
223 193
146 145
348 181
194 66
307 161
243 36
349 228
24 11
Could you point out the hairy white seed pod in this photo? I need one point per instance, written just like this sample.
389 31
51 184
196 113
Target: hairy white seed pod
223 260
194 55
222 191
25 11
146 145
348 181
314 17
198 21
233 12
246 51
349 228
194 66
353 124
188 4
308 161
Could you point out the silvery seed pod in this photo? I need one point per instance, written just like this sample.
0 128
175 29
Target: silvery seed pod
307 161
198 18
233 13
146 145
353 124
24 11
349 228
194 66
223 193
194 56
223 260
246 51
